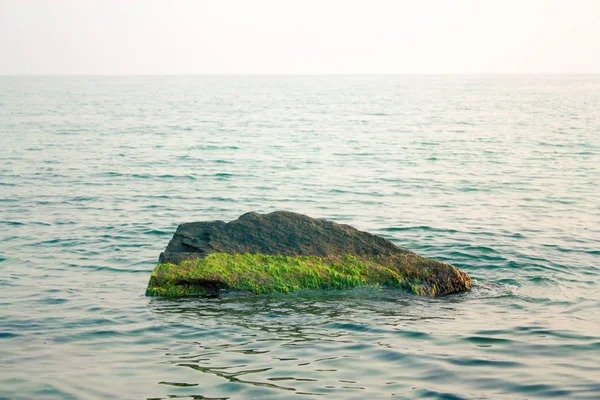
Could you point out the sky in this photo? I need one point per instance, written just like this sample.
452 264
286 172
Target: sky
148 37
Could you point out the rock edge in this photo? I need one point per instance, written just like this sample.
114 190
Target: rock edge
291 234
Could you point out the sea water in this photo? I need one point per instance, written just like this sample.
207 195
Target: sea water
498 175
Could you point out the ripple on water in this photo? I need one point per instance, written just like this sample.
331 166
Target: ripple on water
451 167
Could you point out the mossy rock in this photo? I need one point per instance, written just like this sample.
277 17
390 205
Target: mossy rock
282 252
263 274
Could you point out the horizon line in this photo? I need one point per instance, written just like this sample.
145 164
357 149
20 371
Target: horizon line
307 74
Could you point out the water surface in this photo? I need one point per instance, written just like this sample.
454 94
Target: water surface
497 175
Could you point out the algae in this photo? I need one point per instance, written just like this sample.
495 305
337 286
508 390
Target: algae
264 274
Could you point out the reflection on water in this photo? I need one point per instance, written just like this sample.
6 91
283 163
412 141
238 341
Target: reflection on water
304 343
344 343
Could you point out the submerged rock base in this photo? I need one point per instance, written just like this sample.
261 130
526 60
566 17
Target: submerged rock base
283 251
260 274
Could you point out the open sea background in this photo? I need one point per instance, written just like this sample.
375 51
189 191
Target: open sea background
497 175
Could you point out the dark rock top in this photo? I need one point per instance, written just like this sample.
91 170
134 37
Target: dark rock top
279 232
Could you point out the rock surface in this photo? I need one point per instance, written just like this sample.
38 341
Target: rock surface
292 234
280 232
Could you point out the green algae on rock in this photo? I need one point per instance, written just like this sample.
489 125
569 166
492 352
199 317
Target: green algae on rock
264 274
284 251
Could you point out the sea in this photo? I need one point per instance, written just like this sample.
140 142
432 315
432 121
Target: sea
497 175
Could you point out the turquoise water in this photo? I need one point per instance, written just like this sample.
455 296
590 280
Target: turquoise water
497 175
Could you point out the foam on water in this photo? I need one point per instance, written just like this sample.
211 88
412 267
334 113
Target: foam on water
496 175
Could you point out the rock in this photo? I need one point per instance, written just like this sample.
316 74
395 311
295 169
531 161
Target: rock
335 247
280 232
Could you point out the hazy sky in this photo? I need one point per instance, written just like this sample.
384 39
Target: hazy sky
287 37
